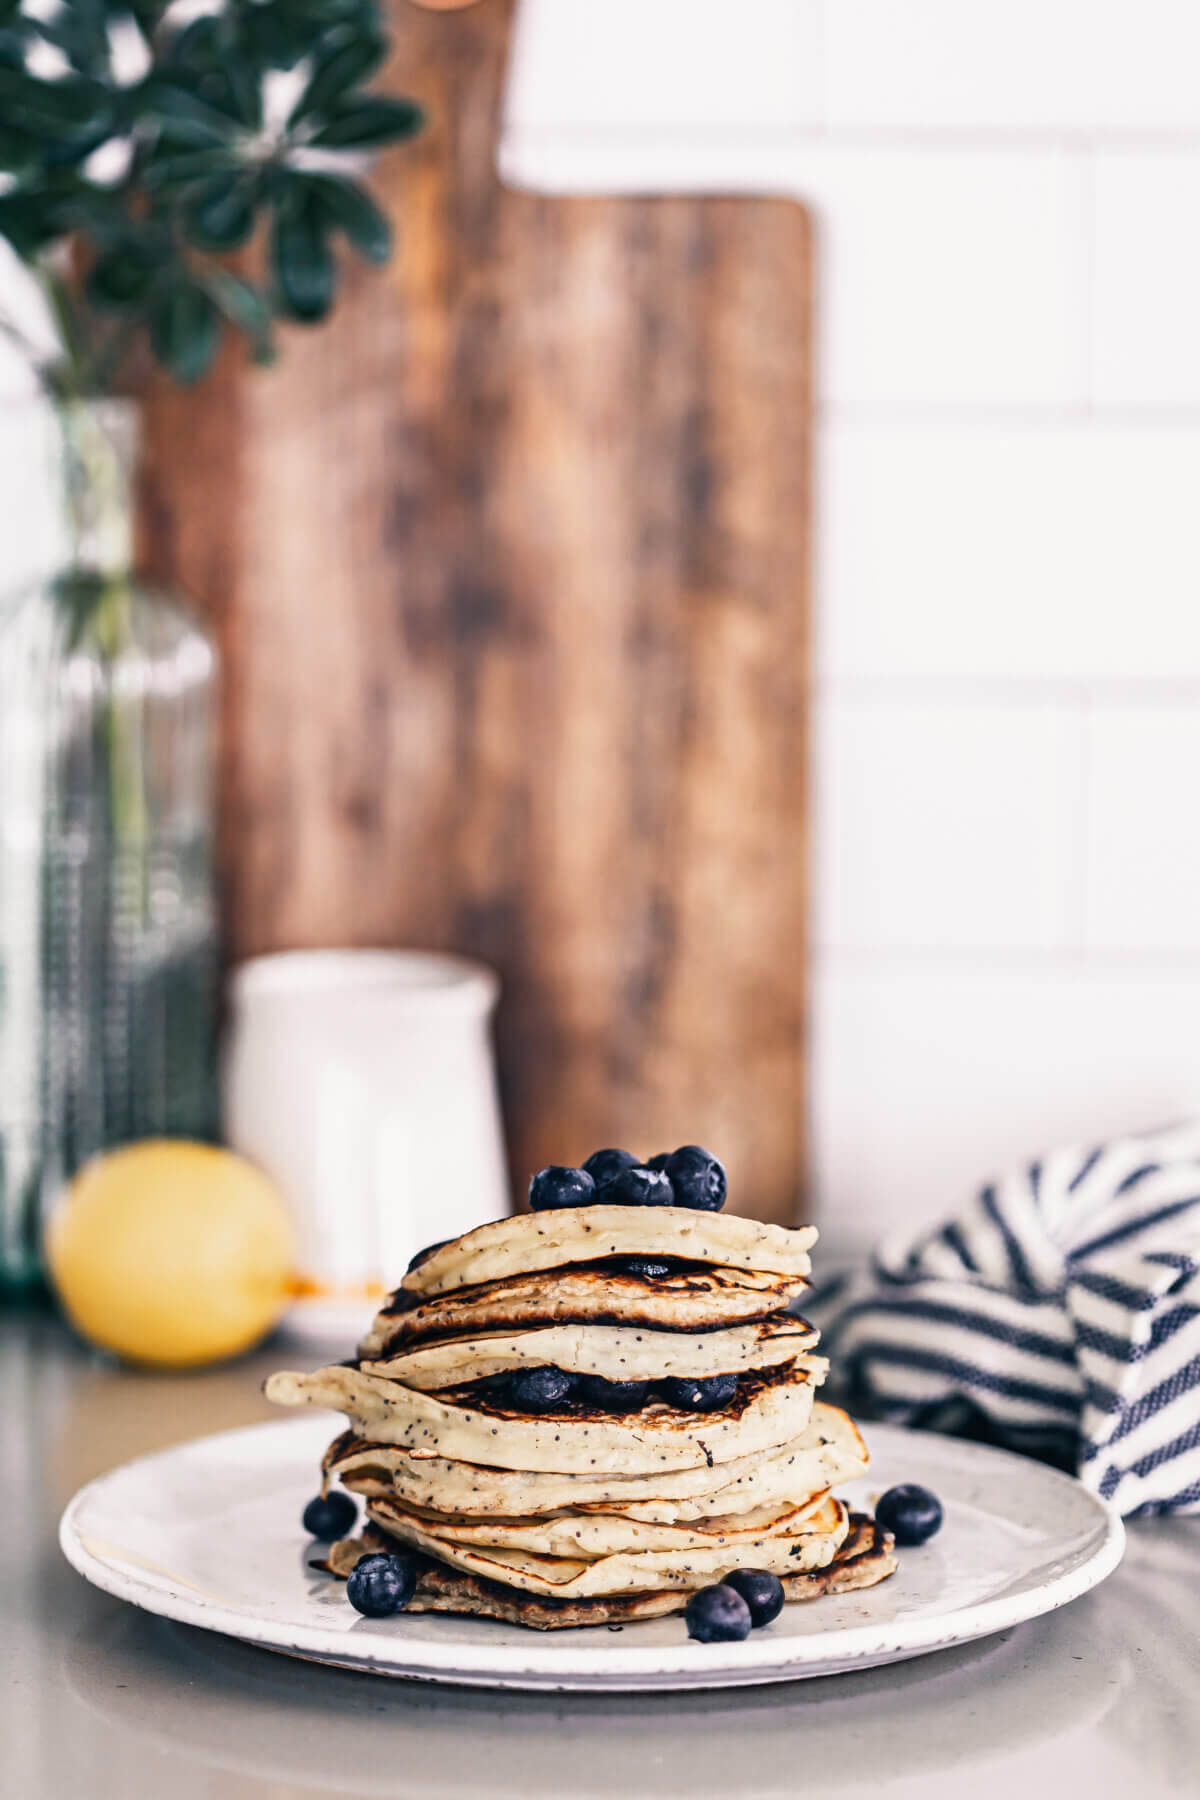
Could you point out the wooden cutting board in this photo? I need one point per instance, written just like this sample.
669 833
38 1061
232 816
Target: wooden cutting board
509 567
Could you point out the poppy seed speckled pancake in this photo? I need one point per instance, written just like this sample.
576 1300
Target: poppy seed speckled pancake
588 1535
580 1234
629 1353
828 1451
685 1300
767 1410
627 1572
866 1557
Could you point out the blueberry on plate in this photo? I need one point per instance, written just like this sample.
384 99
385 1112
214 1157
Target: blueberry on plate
329 1516
762 1592
602 1165
556 1186
717 1615
697 1177
637 1187
911 1513
699 1393
541 1389
613 1396
658 1162
380 1585
650 1268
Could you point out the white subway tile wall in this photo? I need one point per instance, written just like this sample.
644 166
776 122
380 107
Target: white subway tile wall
1143 859
915 783
1007 211
1145 343
1026 65
986 548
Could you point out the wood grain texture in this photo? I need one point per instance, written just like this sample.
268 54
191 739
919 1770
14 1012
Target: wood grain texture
509 566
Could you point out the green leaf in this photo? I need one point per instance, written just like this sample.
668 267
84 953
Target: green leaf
185 330
97 214
53 110
25 223
208 60
245 307
168 167
347 57
351 210
302 262
220 214
148 14
80 30
123 277
368 120
34 214
279 35
183 118
18 153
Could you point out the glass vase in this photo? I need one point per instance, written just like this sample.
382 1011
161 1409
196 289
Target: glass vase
107 917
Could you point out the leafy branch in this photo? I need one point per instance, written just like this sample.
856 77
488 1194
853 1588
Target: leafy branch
149 147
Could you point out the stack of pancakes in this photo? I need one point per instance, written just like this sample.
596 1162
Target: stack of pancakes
582 1514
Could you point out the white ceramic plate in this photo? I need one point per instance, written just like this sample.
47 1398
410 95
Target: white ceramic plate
209 1533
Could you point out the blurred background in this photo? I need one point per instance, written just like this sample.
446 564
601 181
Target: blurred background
1006 456
925 624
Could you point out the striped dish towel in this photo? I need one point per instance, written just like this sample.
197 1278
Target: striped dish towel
1059 1313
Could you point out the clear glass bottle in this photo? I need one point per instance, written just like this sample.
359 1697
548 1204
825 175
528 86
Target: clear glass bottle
107 916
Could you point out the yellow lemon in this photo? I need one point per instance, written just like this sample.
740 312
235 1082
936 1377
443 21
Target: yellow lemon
171 1253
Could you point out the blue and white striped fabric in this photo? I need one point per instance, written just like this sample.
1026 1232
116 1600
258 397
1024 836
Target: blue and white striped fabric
1064 1298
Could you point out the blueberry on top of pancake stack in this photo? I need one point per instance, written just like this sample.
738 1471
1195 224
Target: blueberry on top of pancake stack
587 1412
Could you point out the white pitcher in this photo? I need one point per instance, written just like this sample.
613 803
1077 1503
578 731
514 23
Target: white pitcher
363 1082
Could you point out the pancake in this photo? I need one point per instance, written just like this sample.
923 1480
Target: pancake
619 1353
767 1410
688 1300
567 1577
571 1514
588 1536
530 1242
828 1451
866 1557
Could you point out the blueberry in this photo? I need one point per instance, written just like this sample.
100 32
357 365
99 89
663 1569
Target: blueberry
541 1389
658 1162
556 1186
613 1396
697 1178
602 1165
717 1615
911 1513
380 1585
425 1254
762 1592
650 1268
699 1393
329 1516
637 1187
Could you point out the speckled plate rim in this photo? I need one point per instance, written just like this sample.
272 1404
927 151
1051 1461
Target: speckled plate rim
515 1658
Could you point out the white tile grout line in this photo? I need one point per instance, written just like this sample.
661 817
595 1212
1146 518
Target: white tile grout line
630 135
1007 690
966 416
1131 962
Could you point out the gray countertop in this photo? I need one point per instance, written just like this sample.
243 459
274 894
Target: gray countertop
100 1701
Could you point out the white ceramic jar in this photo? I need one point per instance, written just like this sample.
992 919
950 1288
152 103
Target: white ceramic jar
363 1082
